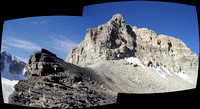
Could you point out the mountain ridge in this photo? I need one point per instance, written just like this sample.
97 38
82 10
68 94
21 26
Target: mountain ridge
114 46
10 64
116 40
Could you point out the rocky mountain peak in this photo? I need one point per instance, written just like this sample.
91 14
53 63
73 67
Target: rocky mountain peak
117 20
115 40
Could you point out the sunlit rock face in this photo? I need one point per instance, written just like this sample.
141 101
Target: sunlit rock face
117 40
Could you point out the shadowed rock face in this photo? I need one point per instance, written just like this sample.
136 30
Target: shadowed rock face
14 65
55 83
116 40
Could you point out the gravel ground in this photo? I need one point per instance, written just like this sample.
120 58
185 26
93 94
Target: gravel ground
124 77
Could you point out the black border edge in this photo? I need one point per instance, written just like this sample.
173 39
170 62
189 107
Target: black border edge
180 98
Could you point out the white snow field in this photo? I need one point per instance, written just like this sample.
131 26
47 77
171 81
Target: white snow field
7 88
134 60
8 81
162 71
184 76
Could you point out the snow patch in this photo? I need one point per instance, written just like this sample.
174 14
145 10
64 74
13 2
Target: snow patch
14 58
134 60
24 71
8 81
184 76
7 87
162 71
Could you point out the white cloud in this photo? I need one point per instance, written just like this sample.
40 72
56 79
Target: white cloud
63 44
22 59
23 44
43 22
4 47
34 23
60 43
39 22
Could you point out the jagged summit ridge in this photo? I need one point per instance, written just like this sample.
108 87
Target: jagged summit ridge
115 40
117 20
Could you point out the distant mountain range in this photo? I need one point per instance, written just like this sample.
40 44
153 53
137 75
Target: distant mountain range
11 65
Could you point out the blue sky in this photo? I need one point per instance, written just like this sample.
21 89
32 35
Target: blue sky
58 34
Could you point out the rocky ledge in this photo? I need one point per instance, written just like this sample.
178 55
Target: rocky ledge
53 83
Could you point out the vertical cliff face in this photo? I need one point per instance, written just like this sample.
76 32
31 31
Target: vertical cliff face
113 40
116 40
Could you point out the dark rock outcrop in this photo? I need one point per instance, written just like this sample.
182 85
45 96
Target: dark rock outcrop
53 83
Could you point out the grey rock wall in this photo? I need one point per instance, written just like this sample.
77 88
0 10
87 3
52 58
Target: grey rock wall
116 40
